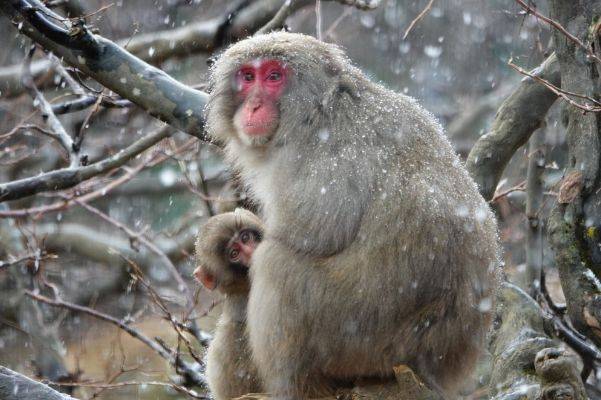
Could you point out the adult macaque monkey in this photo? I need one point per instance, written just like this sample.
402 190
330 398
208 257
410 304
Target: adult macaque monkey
378 248
224 248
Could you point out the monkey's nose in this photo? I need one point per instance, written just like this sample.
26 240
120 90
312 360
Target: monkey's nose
246 250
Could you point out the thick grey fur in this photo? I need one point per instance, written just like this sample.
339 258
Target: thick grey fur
378 249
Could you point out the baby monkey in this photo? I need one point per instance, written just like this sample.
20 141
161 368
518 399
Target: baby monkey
223 251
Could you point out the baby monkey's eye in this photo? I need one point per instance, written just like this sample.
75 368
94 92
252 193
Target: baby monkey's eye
234 254
245 236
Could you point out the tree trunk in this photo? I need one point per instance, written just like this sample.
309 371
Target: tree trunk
575 222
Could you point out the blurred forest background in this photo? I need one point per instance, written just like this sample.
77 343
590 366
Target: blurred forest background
122 242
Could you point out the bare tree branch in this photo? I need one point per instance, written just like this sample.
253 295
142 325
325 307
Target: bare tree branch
419 17
57 132
69 177
141 237
191 371
534 203
559 27
564 94
279 18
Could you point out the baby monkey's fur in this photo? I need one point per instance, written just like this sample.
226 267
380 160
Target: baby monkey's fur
230 372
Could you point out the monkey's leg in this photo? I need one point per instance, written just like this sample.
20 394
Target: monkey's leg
420 367
278 346
280 368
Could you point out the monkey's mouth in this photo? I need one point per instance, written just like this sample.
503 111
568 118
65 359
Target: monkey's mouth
257 134
259 129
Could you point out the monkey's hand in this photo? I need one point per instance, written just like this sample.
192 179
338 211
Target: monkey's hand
362 4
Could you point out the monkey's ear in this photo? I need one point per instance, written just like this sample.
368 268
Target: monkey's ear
206 278
349 87
346 83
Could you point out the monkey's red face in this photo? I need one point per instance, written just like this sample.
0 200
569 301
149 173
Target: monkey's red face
259 86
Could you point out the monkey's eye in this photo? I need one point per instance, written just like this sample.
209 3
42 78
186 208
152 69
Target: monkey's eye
248 76
274 76
234 254
245 236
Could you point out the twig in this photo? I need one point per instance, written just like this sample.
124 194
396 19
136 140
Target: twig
564 94
58 131
559 27
290 6
189 392
140 237
62 71
101 9
534 204
361 4
69 177
35 256
565 331
330 31
278 19
191 371
203 190
105 317
151 161
32 127
87 101
79 135
138 275
418 18
520 187
318 20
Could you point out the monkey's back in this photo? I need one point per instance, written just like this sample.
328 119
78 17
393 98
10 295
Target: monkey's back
413 282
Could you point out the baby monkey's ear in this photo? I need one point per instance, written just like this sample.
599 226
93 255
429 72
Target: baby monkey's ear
206 278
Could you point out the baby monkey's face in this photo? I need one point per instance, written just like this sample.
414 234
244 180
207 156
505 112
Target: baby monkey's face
228 270
241 247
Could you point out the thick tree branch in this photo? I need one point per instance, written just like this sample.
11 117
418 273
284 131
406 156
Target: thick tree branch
519 116
526 363
594 106
90 243
197 37
14 386
131 78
